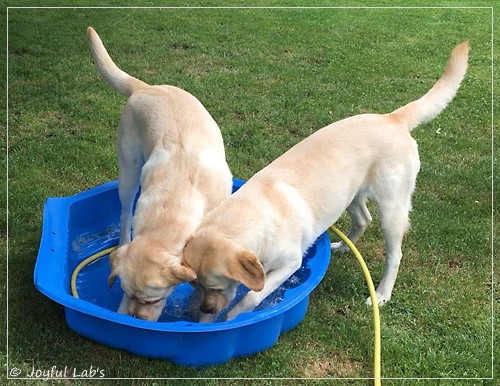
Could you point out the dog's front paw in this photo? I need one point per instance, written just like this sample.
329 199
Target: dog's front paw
231 314
244 305
339 247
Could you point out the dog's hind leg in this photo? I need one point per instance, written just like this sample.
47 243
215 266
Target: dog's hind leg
394 221
360 220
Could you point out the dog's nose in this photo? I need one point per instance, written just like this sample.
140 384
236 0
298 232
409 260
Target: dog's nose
207 309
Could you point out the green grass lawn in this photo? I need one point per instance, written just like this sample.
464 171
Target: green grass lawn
269 77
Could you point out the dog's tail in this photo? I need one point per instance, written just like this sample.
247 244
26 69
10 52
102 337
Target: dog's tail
116 78
431 104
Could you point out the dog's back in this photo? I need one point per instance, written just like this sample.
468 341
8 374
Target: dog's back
168 117
364 154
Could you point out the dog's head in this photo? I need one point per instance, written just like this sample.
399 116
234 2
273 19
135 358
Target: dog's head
148 275
221 265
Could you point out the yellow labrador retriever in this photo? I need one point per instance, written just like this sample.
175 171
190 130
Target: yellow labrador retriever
258 236
170 146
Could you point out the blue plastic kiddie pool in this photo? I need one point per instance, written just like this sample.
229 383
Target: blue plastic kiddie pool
78 226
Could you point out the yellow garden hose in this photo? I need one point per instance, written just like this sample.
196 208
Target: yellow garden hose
82 264
373 296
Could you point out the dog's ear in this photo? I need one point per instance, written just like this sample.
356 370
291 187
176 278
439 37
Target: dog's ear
114 262
183 272
248 270
187 261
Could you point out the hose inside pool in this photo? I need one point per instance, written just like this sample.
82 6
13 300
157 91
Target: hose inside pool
85 262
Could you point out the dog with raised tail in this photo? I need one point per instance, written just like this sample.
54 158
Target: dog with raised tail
258 236
169 146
